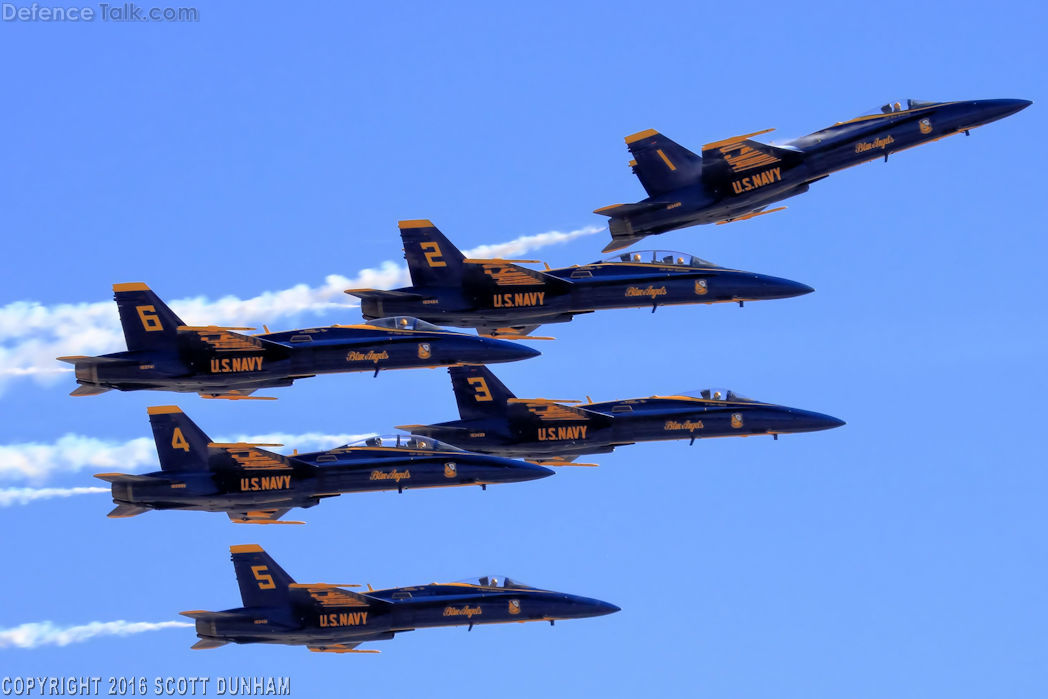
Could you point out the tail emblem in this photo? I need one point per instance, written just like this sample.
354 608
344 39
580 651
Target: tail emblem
424 351
450 470
925 125
736 420
514 606
701 287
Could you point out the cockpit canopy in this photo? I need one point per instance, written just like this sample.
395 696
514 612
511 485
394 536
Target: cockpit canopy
722 394
662 257
403 441
897 106
405 323
494 581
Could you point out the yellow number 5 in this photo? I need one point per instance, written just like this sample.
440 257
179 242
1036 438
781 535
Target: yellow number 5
265 580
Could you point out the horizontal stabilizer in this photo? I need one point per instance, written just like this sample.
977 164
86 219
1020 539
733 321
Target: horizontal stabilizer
87 390
209 616
124 510
84 360
627 210
207 644
130 478
379 294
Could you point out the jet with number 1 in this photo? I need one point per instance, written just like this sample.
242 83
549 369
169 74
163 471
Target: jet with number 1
329 618
502 298
164 354
554 432
738 178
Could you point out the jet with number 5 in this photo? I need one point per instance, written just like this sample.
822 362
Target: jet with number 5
164 354
330 618
738 178
554 432
502 298
254 485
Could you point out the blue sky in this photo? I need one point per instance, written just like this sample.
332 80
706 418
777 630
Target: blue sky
902 555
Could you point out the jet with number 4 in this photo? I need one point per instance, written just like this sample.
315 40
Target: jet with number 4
738 178
555 432
164 354
330 618
256 486
502 298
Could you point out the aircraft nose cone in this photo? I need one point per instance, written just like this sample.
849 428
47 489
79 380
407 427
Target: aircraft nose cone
531 472
992 110
786 288
813 422
507 351
606 608
761 287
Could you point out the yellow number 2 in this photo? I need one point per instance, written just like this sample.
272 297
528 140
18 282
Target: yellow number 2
150 320
480 388
265 580
178 440
433 254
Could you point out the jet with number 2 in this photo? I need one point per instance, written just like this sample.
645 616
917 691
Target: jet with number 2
737 178
164 354
502 298
256 486
329 618
554 432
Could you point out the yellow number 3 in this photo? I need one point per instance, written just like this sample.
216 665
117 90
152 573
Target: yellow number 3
265 580
480 388
178 440
150 320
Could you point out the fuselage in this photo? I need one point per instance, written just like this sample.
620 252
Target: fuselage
546 432
640 279
224 362
792 166
401 609
316 475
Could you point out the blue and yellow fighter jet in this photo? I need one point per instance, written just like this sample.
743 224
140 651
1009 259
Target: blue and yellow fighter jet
164 354
501 298
494 421
257 486
737 178
328 618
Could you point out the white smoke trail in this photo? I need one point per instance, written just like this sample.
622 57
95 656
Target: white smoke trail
24 496
46 633
32 334
38 462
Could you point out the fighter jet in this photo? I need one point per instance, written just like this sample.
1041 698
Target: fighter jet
329 618
254 485
494 421
501 298
737 178
164 354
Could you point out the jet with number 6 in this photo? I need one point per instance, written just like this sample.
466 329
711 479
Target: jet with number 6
555 432
738 178
330 618
164 354
256 486
502 298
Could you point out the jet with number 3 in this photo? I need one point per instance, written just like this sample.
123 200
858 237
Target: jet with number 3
164 354
738 178
502 298
555 432
254 485
331 618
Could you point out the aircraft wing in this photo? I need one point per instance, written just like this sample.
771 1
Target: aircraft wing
737 156
506 273
330 595
341 648
554 411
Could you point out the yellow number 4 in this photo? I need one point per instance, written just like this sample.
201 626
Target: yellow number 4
433 254
480 388
178 440
265 580
150 320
